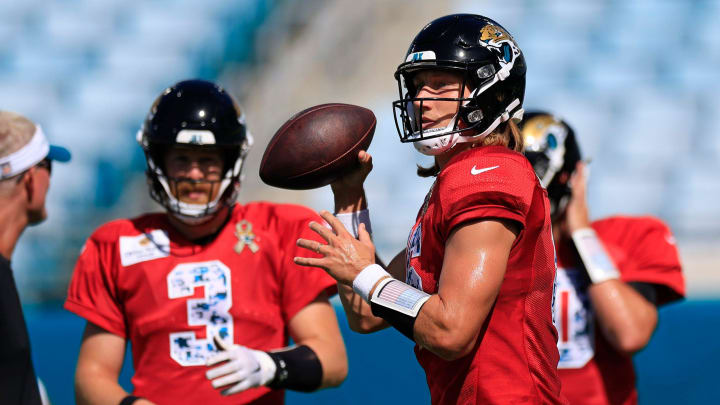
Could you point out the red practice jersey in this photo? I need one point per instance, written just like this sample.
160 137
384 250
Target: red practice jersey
515 357
643 250
141 280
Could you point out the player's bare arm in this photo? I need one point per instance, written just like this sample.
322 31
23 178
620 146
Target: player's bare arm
626 318
316 327
99 364
349 197
358 312
473 269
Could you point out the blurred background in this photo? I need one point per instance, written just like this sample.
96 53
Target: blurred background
638 80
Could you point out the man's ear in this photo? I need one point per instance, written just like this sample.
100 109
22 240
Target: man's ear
28 179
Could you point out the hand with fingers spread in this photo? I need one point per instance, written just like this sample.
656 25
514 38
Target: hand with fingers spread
343 255
244 368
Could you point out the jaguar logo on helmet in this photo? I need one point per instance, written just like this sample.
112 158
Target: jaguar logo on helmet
499 41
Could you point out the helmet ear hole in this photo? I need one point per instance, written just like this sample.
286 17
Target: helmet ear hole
485 72
474 116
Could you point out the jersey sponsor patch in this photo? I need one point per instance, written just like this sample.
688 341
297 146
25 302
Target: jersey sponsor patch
573 318
144 247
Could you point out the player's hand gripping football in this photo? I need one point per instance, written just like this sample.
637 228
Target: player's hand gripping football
244 368
355 178
343 255
348 189
577 214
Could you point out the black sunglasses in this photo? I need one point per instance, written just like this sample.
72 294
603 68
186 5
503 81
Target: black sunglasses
45 163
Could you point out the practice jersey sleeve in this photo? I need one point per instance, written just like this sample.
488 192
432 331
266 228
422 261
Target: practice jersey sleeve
92 293
644 250
497 183
300 285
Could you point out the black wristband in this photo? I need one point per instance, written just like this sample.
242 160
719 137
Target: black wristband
129 400
404 323
298 369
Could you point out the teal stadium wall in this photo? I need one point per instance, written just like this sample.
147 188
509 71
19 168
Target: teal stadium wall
679 366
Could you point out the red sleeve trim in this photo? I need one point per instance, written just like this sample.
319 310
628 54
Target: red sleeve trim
91 315
481 212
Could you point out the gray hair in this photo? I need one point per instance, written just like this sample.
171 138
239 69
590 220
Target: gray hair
15 132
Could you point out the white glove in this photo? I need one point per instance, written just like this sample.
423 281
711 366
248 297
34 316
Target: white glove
246 368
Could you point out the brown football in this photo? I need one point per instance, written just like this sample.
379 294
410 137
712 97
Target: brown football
317 146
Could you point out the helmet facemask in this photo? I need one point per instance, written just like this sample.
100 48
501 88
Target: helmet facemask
164 189
431 141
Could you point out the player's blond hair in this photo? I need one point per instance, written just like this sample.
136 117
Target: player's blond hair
507 134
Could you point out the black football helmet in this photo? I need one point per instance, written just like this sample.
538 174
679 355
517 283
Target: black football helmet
492 66
551 147
197 114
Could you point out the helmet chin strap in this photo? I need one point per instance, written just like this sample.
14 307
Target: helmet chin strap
438 144
505 116
193 221
199 211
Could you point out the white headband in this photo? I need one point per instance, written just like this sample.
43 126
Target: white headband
28 156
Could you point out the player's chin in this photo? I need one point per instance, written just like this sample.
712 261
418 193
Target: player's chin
199 200
195 196
432 124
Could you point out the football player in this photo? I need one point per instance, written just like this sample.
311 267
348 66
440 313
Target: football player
612 275
473 287
207 283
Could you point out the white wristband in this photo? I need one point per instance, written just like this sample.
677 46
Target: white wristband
598 264
366 280
352 221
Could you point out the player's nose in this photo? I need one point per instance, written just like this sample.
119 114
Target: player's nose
195 172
